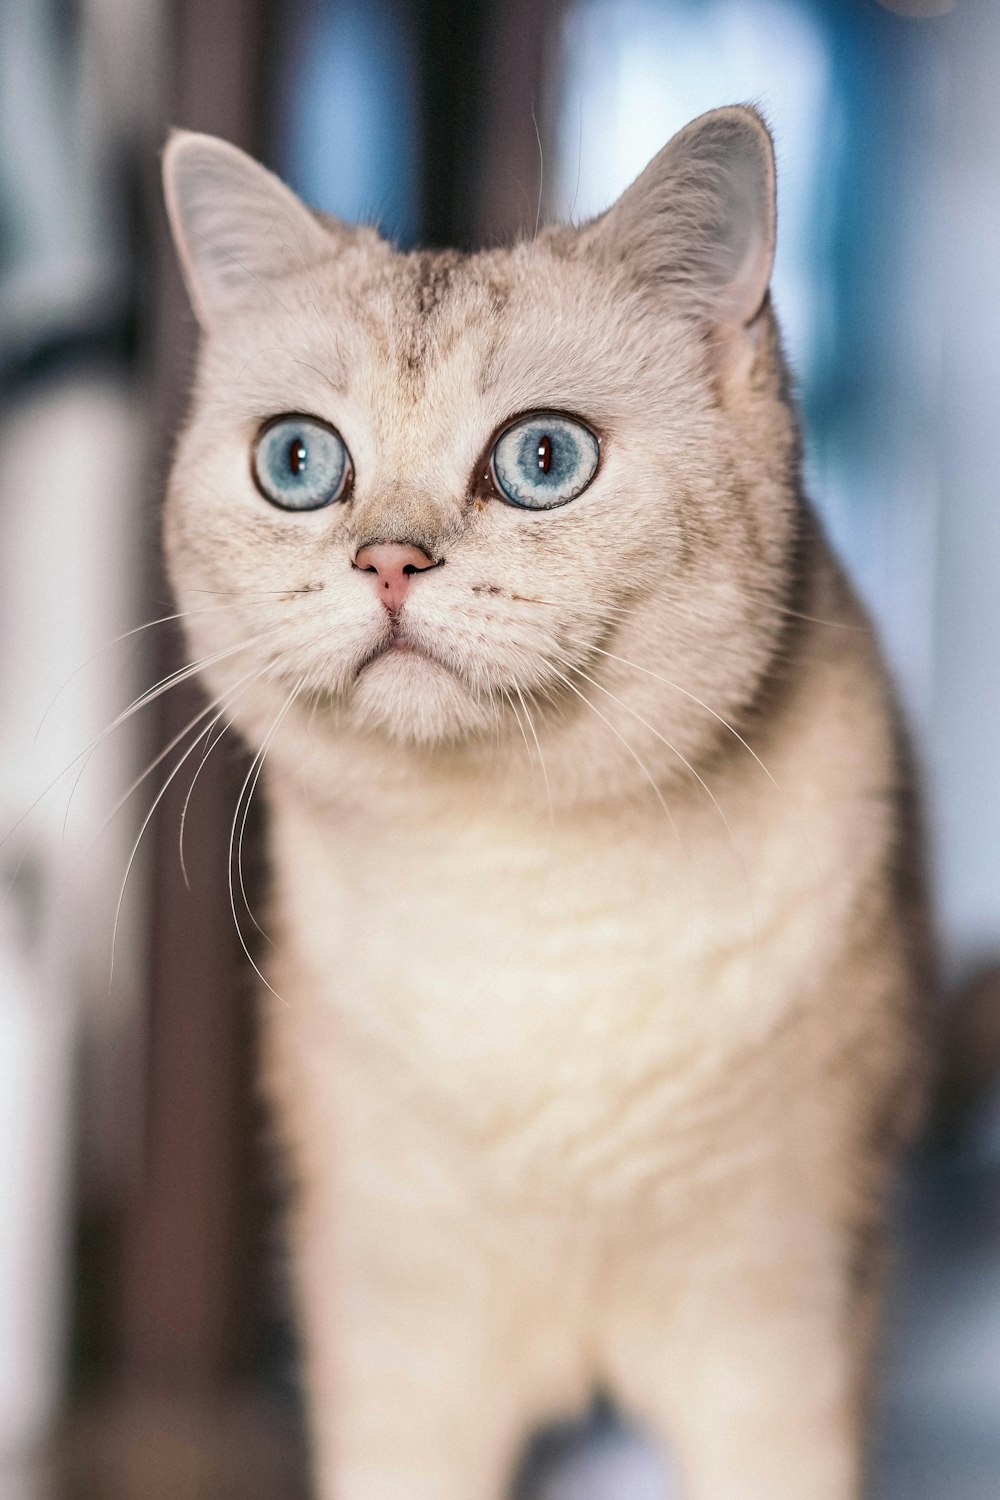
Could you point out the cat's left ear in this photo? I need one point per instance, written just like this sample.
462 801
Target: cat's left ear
701 217
237 228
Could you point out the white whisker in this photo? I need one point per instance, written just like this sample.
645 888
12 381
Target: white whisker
173 679
212 740
135 847
538 747
144 699
635 756
701 782
520 723
181 614
162 755
693 697
658 676
269 737
541 172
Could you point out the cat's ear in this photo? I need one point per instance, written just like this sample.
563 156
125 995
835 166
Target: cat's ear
701 217
237 228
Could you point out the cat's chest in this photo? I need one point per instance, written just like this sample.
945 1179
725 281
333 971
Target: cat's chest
585 1006
486 949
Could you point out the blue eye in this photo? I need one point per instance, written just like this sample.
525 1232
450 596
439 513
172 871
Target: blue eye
544 460
300 463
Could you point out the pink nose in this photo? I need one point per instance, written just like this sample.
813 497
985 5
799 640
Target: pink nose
393 564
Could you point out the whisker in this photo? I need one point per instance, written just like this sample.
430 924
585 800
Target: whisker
658 677
607 611
308 588
520 722
158 760
635 756
316 697
701 782
144 699
183 674
214 738
798 614
211 741
661 737
173 679
257 761
232 834
135 847
579 158
497 691
180 614
538 747
541 173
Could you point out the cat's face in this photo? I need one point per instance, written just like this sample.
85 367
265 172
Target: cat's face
447 501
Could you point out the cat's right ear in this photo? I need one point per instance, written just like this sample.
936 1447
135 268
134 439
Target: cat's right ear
701 218
237 228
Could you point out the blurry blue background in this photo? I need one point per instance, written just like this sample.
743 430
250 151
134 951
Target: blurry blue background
123 1240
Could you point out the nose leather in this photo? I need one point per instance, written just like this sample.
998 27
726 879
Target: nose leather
393 566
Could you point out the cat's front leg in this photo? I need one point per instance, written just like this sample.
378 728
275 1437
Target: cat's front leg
438 1331
748 1361
405 1396
412 1383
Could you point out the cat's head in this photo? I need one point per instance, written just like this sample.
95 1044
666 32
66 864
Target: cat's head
449 504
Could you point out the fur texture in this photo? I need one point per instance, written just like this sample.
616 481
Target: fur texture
599 973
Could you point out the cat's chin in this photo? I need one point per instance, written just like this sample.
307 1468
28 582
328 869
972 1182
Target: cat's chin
416 701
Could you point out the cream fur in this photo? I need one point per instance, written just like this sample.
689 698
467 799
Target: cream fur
595 1034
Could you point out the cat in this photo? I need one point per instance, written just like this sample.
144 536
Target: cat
595 1023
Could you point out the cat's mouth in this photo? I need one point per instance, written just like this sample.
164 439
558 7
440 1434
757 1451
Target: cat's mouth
397 645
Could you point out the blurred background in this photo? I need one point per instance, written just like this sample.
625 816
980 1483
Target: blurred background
145 1347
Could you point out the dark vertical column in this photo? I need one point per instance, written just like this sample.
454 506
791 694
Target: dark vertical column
183 1242
452 70
483 71
515 133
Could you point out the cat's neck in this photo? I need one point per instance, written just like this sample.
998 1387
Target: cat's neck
401 785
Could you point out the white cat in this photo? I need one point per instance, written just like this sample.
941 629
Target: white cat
595 1026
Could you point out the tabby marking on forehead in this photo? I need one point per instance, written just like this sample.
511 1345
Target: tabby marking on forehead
433 278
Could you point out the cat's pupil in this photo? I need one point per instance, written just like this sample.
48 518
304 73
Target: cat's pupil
545 454
298 453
